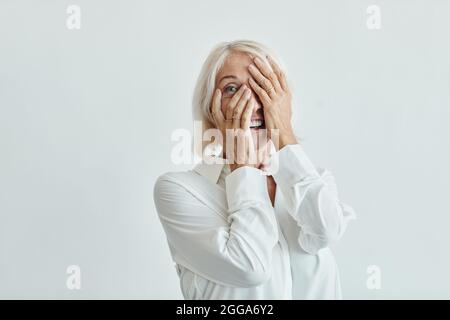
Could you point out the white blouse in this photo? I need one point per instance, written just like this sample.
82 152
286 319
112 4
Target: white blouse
229 242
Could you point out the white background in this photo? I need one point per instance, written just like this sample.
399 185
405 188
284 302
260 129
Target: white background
86 118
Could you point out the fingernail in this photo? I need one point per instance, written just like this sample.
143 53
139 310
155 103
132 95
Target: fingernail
251 66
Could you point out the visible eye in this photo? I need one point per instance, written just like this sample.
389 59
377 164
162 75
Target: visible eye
231 89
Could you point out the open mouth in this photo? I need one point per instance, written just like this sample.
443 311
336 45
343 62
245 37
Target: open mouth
257 124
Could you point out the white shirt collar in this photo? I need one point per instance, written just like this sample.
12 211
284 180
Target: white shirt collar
209 171
212 171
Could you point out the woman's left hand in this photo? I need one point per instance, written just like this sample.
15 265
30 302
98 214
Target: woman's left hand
271 87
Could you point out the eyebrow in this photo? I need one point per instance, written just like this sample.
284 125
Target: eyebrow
227 76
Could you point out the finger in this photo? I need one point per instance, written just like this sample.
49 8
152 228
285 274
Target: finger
262 94
216 111
280 74
263 82
246 117
233 102
268 73
237 112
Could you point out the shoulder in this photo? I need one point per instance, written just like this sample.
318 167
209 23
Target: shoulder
169 191
177 192
173 178
174 183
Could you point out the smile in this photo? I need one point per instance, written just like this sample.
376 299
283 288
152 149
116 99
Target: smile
257 124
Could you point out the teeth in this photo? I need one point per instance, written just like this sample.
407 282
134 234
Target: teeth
256 123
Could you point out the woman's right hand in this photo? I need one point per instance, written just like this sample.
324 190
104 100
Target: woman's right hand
238 145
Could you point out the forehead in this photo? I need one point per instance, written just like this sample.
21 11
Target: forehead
235 64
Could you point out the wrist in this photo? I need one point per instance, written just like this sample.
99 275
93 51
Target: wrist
287 137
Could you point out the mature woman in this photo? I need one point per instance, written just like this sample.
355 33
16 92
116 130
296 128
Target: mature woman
237 229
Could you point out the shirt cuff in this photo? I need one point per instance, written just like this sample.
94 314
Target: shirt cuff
246 184
293 165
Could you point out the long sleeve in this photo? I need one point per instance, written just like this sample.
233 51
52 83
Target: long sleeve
312 199
236 251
